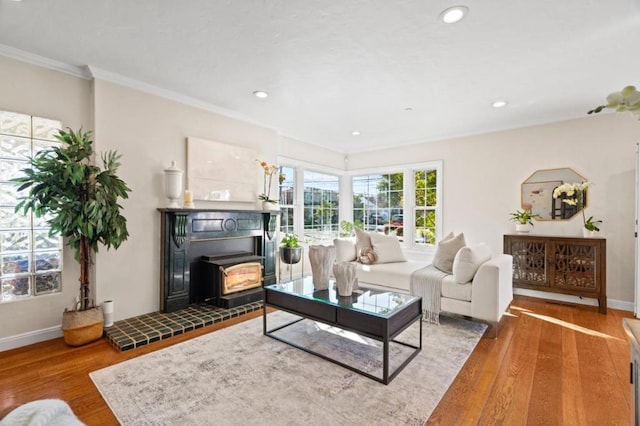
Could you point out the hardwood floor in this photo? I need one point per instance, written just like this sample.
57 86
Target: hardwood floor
551 364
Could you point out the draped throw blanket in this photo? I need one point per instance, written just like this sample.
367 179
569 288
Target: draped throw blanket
427 283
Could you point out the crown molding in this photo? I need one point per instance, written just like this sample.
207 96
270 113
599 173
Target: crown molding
100 74
41 61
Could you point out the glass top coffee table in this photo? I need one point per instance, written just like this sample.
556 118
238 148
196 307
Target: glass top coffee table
379 315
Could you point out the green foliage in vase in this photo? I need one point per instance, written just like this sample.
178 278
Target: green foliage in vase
78 198
290 241
523 217
592 225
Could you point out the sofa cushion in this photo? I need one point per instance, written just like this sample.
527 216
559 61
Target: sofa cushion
452 289
387 248
468 260
363 240
345 249
446 251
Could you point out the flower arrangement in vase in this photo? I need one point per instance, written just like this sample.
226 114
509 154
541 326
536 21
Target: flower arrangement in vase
574 194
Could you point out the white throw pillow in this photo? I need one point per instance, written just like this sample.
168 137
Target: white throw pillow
363 240
345 249
468 260
446 251
387 248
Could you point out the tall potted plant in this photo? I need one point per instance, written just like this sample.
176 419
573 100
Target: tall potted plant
81 201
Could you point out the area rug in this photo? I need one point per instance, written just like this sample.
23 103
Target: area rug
238 376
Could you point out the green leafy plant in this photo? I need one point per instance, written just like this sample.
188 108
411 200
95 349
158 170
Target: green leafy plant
79 199
347 228
590 224
290 241
523 217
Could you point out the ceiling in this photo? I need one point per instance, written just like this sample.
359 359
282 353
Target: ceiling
334 67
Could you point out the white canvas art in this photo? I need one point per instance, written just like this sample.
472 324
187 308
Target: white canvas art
221 172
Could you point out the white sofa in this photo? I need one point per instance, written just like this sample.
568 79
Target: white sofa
486 296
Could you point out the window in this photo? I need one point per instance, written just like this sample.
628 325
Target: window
426 192
286 191
378 202
320 206
403 202
30 259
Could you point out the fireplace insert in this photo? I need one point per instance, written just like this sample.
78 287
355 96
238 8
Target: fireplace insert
231 279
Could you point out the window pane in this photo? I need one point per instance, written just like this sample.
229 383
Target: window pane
286 220
42 240
15 147
378 202
14 264
48 283
10 169
15 124
44 128
14 241
48 261
11 220
13 288
320 206
426 193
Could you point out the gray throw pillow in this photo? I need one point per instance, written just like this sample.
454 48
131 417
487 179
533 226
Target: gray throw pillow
446 251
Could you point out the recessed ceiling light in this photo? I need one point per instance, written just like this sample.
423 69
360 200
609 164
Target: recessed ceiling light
453 14
260 94
499 104
355 133
408 109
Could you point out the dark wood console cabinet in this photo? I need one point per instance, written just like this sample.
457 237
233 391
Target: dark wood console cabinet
188 234
566 265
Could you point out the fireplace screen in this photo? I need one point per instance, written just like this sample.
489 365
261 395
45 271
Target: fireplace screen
242 276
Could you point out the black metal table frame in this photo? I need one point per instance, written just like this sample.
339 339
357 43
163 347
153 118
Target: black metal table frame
386 377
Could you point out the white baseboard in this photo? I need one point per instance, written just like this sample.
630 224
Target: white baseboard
611 303
29 338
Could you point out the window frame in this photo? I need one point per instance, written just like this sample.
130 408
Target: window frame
409 208
346 195
33 226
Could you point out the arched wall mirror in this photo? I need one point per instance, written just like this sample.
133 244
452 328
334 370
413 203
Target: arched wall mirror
537 194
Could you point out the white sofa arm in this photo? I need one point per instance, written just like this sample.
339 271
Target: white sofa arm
492 288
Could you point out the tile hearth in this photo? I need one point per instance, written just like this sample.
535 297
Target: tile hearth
144 329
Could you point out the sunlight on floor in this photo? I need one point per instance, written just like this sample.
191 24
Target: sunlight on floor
571 326
346 334
560 322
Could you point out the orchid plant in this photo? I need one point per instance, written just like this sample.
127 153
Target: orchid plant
628 99
572 194
269 171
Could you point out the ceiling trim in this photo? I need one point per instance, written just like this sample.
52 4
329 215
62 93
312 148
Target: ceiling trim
101 74
41 61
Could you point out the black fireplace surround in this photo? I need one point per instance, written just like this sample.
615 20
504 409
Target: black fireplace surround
189 234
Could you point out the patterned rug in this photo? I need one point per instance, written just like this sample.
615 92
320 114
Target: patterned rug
237 376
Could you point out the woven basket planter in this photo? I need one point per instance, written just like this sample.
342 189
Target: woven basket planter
82 327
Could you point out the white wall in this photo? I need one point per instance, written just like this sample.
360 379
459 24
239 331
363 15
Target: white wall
37 91
482 177
150 132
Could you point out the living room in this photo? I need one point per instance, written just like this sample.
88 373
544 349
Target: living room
482 174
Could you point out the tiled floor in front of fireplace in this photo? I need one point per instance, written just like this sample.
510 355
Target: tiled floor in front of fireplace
144 329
